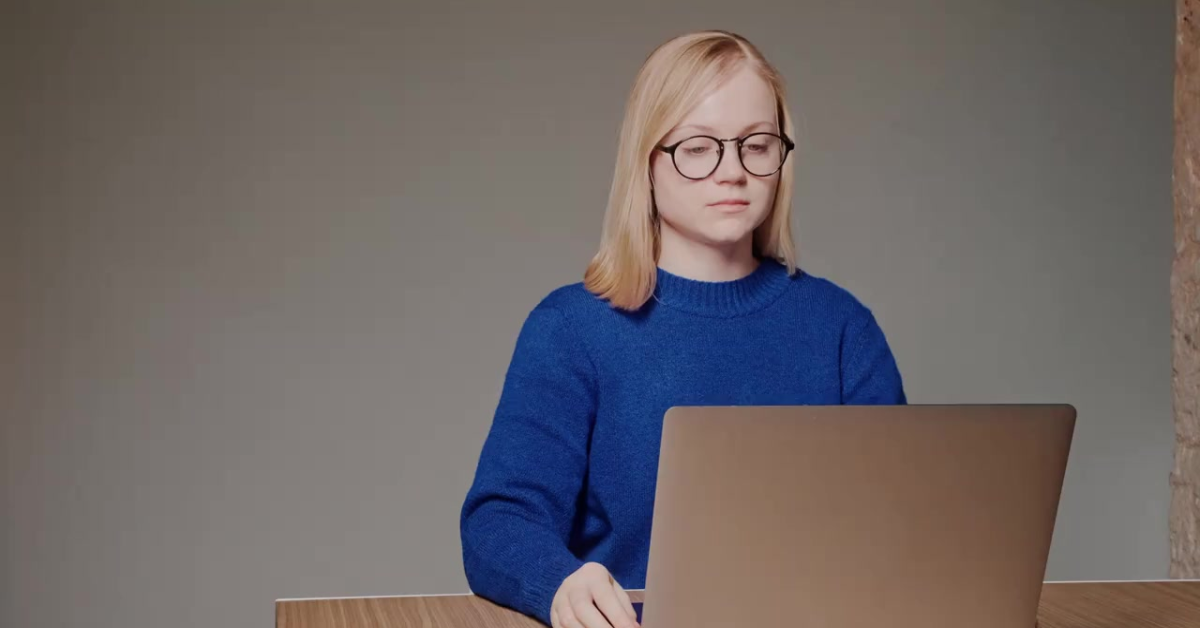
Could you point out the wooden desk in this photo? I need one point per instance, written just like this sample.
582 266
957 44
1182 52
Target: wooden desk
1165 604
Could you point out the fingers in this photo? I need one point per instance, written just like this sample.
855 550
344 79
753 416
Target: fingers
592 598
566 618
585 611
625 601
605 594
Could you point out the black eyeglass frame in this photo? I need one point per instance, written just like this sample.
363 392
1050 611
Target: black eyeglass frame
788 144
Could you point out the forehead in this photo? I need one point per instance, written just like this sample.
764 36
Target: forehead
743 100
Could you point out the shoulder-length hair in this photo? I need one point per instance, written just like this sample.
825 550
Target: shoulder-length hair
671 82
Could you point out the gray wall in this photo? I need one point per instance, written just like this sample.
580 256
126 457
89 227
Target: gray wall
264 264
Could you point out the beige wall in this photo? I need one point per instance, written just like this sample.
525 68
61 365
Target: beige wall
268 261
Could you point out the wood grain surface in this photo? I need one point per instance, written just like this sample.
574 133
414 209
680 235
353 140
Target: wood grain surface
1165 604
1185 297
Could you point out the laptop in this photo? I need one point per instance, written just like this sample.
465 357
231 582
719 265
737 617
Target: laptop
855 516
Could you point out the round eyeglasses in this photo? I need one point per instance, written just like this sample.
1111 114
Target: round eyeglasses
761 154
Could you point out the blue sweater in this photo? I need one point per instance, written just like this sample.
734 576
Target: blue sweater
567 472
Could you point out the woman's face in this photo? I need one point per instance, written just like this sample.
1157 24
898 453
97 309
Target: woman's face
724 208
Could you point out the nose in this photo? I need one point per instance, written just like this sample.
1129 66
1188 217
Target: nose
729 169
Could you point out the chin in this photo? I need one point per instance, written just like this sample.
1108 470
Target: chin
718 231
726 237
731 229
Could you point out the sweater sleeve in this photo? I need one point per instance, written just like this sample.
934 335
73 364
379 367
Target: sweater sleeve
870 375
517 516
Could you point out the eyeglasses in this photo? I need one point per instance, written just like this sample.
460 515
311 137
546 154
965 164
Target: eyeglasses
761 154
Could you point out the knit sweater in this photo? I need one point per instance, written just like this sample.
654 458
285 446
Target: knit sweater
567 472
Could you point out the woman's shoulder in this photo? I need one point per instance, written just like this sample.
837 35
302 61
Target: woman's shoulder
573 304
827 295
571 298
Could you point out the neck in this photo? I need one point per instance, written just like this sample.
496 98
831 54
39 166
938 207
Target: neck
706 262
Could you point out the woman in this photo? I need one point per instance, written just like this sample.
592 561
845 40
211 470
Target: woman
694 298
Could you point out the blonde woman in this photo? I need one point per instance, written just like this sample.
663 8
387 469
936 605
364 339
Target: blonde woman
694 298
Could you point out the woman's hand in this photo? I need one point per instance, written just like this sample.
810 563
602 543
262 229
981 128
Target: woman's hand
591 598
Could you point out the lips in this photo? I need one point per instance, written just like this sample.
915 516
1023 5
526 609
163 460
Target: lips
730 206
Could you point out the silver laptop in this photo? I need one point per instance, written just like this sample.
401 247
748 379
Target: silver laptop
855 516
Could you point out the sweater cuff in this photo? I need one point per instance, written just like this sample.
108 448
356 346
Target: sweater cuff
547 577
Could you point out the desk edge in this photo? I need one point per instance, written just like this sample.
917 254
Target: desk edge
469 593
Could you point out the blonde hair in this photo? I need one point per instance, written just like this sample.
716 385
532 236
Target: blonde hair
671 82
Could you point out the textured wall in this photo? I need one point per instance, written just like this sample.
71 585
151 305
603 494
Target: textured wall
1185 297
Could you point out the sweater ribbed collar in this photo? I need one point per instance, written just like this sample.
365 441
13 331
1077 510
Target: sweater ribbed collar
723 299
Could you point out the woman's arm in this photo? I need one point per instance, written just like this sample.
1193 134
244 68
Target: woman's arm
517 517
869 372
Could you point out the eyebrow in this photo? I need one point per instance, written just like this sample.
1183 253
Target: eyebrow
701 127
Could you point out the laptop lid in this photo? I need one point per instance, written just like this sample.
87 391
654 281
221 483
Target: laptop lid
831 517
